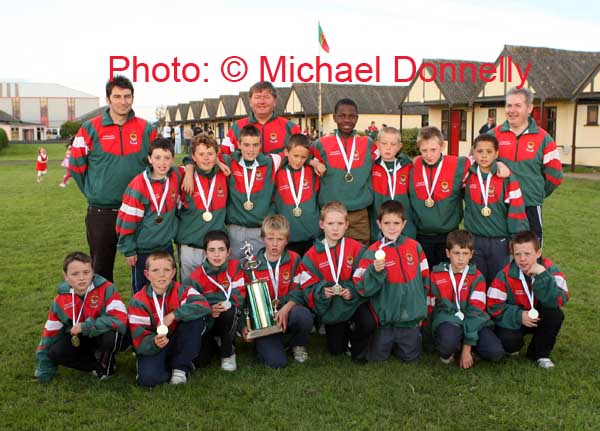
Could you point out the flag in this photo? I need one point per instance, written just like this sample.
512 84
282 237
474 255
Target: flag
322 40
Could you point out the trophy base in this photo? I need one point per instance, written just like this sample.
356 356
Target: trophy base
263 332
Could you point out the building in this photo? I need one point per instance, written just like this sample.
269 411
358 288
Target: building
44 106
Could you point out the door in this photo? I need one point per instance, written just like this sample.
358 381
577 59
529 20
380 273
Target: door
454 135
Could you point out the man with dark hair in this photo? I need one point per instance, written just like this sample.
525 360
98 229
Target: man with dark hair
108 151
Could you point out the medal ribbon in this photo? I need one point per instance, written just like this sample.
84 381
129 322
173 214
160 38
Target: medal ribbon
206 202
153 198
297 197
435 178
227 292
76 320
160 311
274 277
528 292
347 160
460 284
391 180
485 191
335 274
249 184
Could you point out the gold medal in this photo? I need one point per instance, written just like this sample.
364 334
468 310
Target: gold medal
337 289
380 255
429 203
297 212
158 220
207 216
75 341
248 205
348 177
486 211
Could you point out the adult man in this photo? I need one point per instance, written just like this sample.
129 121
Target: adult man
274 130
107 153
530 152
487 126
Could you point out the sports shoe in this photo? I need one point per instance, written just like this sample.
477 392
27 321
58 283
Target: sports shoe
300 353
545 363
229 364
513 353
103 373
447 360
63 185
178 377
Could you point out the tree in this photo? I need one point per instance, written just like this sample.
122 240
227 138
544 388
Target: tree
69 128
3 139
160 113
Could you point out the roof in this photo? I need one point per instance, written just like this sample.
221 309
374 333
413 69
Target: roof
282 96
172 111
6 118
371 99
40 89
454 91
183 111
211 107
91 114
229 101
555 73
196 107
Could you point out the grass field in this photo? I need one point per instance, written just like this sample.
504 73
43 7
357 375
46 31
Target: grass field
40 223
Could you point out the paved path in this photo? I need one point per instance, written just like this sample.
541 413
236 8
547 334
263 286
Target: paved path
591 176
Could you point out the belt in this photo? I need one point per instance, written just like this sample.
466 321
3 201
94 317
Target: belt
101 210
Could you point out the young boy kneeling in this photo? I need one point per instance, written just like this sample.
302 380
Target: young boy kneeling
460 322
166 322
86 323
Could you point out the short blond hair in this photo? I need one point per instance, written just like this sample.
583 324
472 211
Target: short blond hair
428 133
159 255
275 223
388 130
333 206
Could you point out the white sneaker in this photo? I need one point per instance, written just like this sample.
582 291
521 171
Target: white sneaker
448 360
63 185
229 364
545 363
178 377
300 353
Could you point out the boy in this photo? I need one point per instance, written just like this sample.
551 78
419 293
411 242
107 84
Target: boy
297 186
147 220
348 158
526 297
86 323
326 280
494 209
166 323
460 322
220 280
279 268
394 276
390 177
203 210
251 186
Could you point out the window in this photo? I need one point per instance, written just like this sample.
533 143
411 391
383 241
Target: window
592 115
44 111
492 114
463 125
446 124
14 133
425 120
71 108
550 125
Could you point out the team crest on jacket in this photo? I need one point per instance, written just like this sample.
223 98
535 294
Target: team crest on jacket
444 185
286 276
305 184
220 192
530 146
349 260
224 284
273 138
94 299
492 191
356 155
259 174
409 258
133 138
402 179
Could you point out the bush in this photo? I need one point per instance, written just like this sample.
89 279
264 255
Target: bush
69 128
3 139
409 142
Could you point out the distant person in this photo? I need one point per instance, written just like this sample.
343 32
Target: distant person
372 131
188 134
41 165
488 126
65 164
166 132
108 151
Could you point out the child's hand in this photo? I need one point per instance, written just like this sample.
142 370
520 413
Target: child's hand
528 321
131 260
161 341
245 335
319 167
328 292
503 170
379 264
466 358
536 269
346 294
76 330
215 310
224 168
187 184
168 319
282 315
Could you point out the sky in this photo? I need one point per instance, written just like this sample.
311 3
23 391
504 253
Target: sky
71 42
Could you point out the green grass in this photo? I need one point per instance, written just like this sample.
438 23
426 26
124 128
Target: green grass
42 222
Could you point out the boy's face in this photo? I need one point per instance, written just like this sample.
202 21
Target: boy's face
431 150
391 226
526 255
217 253
205 158
250 147
346 118
161 161
459 257
484 154
297 156
334 225
389 146
275 242
79 276
263 103
160 273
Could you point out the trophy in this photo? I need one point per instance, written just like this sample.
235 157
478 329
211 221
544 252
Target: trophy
260 312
